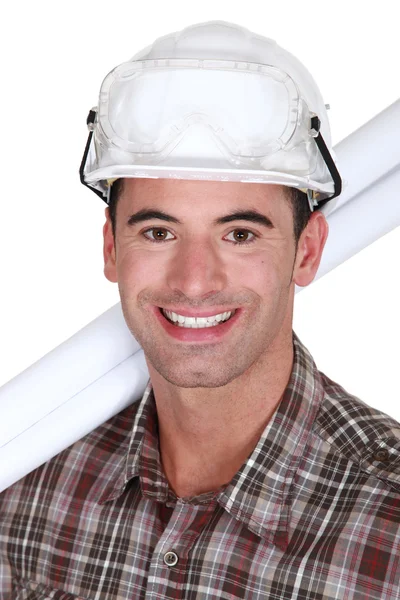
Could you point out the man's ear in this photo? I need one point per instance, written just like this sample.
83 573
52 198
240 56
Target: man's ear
310 247
110 270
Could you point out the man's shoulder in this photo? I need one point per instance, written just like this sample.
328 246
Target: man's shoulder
364 435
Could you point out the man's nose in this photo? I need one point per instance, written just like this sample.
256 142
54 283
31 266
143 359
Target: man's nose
197 269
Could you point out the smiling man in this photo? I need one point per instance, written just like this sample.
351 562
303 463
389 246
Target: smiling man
206 274
243 472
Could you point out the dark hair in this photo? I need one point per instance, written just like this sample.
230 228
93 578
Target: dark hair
300 209
297 199
115 194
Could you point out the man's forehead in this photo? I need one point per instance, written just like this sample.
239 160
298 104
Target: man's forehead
225 196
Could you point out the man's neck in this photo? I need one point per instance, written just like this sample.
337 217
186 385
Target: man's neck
206 434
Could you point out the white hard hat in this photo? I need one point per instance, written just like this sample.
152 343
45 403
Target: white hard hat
213 102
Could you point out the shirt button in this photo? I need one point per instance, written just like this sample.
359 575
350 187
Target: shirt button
381 455
170 559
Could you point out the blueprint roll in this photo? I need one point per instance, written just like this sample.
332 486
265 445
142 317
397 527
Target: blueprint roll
101 369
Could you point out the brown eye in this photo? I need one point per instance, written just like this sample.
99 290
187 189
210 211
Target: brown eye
241 236
159 234
156 234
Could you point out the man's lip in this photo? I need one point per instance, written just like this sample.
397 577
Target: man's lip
187 312
196 335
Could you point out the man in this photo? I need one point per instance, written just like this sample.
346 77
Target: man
243 472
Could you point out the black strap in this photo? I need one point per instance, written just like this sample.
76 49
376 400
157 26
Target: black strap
90 119
337 180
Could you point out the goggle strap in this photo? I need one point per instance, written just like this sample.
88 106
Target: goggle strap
89 121
319 140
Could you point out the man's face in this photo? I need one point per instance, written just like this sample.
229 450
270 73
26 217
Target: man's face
208 248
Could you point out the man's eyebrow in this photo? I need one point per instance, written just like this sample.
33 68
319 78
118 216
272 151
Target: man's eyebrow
246 215
151 213
253 216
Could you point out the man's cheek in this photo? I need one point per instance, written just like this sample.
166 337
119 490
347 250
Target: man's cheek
133 266
136 275
260 275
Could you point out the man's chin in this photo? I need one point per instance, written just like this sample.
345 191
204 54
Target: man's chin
206 378
201 382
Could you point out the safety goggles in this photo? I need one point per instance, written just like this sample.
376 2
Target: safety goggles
206 119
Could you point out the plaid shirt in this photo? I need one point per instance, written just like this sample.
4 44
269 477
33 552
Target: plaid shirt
313 514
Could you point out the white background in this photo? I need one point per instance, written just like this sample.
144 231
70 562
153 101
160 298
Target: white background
54 57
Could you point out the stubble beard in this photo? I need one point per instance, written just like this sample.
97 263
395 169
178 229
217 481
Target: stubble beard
209 365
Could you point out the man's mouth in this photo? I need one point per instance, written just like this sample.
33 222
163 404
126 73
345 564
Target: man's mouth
197 322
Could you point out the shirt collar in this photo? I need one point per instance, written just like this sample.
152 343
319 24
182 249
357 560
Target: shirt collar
128 462
259 493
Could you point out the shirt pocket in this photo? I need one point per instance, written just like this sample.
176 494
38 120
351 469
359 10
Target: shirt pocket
27 589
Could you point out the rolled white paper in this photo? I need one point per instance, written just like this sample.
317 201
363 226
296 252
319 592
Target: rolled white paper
64 372
361 221
101 369
367 155
68 422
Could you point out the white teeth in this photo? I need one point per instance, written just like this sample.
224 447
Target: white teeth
197 322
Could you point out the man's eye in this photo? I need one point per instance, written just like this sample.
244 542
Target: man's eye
160 234
157 234
241 236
